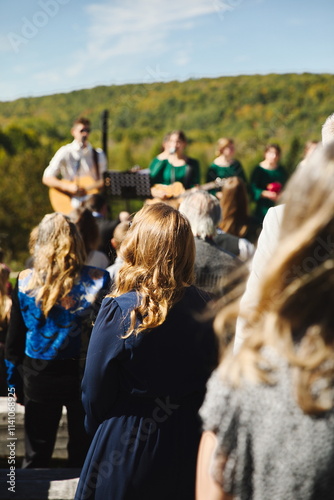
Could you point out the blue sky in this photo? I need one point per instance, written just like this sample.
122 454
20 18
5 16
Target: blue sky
51 46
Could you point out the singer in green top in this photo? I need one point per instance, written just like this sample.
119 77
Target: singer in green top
177 167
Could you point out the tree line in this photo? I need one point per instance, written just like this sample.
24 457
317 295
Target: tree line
254 110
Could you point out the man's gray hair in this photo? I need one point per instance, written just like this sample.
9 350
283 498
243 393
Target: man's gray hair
203 212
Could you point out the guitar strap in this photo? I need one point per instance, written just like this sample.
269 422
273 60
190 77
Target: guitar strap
187 177
96 164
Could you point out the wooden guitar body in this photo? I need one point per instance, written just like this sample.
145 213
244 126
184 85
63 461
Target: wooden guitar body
64 202
172 194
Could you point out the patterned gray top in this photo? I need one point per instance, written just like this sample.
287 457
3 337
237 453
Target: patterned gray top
274 451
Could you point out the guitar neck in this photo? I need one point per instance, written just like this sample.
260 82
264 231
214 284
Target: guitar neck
206 187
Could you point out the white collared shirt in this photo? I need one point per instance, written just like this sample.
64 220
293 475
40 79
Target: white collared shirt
72 160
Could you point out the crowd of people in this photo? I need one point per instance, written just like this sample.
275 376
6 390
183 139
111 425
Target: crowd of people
174 387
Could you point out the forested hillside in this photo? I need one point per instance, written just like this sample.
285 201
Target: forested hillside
289 109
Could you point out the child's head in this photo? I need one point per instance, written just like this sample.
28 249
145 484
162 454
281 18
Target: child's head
119 234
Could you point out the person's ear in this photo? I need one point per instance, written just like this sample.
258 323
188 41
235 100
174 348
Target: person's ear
113 243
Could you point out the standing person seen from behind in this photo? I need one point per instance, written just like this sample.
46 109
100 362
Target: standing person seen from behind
75 171
267 181
149 357
269 411
54 303
90 233
237 231
98 205
116 241
213 265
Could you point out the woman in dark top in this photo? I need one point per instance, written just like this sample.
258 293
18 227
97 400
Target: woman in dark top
267 181
225 165
177 168
235 219
148 361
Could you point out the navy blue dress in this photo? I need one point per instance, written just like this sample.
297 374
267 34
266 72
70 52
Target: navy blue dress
141 396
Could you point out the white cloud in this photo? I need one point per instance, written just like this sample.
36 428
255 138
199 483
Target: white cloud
123 28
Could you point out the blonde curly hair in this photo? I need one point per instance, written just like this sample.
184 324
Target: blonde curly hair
158 253
59 254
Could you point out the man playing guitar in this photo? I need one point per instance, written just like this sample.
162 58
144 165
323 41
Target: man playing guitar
75 171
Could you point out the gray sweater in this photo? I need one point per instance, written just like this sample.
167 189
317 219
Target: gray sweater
274 450
212 264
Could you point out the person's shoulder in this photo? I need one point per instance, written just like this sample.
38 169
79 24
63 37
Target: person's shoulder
156 162
63 150
211 246
236 164
127 301
258 168
24 277
192 162
257 171
224 252
222 237
67 147
274 216
214 164
197 295
94 273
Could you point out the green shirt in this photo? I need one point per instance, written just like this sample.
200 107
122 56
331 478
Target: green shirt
259 181
162 172
233 170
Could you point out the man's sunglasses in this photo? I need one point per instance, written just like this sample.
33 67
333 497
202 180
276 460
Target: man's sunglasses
84 130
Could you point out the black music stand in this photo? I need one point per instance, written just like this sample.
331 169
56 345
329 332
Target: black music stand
128 185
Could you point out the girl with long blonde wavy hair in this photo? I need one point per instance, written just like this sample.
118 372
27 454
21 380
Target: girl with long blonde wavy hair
279 388
59 254
148 361
54 304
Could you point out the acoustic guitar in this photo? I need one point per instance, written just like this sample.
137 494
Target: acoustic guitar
173 193
64 202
